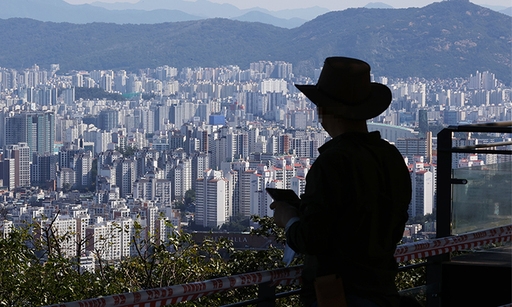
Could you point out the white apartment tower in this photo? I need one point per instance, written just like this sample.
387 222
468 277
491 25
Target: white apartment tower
298 182
153 189
422 201
213 200
181 177
126 224
126 172
410 147
63 227
234 171
200 163
17 165
82 165
105 240
259 199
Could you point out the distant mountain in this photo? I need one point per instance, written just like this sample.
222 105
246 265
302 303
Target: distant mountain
61 11
507 11
149 12
378 5
203 8
209 9
256 16
501 9
444 39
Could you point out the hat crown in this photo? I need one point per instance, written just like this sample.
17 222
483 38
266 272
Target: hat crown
345 86
346 80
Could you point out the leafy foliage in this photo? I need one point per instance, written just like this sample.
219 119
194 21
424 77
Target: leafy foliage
412 278
34 277
128 151
190 197
35 271
236 224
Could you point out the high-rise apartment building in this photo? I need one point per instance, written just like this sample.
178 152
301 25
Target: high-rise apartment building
43 169
259 199
64 227
16 166
213 200
37 129
108 119
284 143
106 241
82 165
153 189
181 178
126 174
410 147
106 83
422 201
200 163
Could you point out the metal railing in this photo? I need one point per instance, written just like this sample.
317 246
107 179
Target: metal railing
268 280
445 184
436 251
445 178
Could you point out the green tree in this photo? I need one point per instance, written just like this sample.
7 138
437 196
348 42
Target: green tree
66 187
237 223
190 197
36 272
96 93
128 151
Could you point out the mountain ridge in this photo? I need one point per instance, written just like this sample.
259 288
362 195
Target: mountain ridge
161 11
444 39
212 10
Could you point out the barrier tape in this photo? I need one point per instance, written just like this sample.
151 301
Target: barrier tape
433 247
187 292
285 276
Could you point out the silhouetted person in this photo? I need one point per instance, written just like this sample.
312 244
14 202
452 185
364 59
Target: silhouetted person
357 193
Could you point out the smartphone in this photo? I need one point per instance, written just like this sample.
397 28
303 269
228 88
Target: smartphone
286 195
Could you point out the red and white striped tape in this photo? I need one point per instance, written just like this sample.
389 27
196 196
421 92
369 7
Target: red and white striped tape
427 248
188 292
286 276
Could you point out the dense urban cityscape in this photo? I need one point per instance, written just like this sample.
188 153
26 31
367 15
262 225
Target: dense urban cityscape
224 134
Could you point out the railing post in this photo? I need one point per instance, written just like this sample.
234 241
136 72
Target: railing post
444 188
443 215
267 294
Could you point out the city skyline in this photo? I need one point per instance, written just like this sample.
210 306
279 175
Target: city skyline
328 4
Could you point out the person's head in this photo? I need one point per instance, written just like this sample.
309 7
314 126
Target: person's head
335 124
344 92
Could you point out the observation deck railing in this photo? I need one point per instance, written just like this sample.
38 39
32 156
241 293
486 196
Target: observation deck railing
268 280
472 211
469 198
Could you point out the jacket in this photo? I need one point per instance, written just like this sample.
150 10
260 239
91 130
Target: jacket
352 215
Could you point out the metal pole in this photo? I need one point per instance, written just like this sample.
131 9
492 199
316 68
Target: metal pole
267 294
443 216
444 188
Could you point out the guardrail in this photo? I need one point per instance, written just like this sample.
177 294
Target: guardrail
286 276
445 182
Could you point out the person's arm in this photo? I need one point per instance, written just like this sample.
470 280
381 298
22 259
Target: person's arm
319 211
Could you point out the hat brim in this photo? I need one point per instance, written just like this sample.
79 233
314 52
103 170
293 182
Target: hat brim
375 104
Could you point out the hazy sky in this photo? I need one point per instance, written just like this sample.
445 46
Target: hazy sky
329 4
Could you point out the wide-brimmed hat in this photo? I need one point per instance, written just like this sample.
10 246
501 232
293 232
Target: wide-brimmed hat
345 84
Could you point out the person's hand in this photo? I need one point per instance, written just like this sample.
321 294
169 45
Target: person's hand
283 212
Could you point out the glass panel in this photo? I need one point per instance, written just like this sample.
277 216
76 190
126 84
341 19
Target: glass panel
485 201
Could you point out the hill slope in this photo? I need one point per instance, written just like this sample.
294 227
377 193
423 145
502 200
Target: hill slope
444 39
440 40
